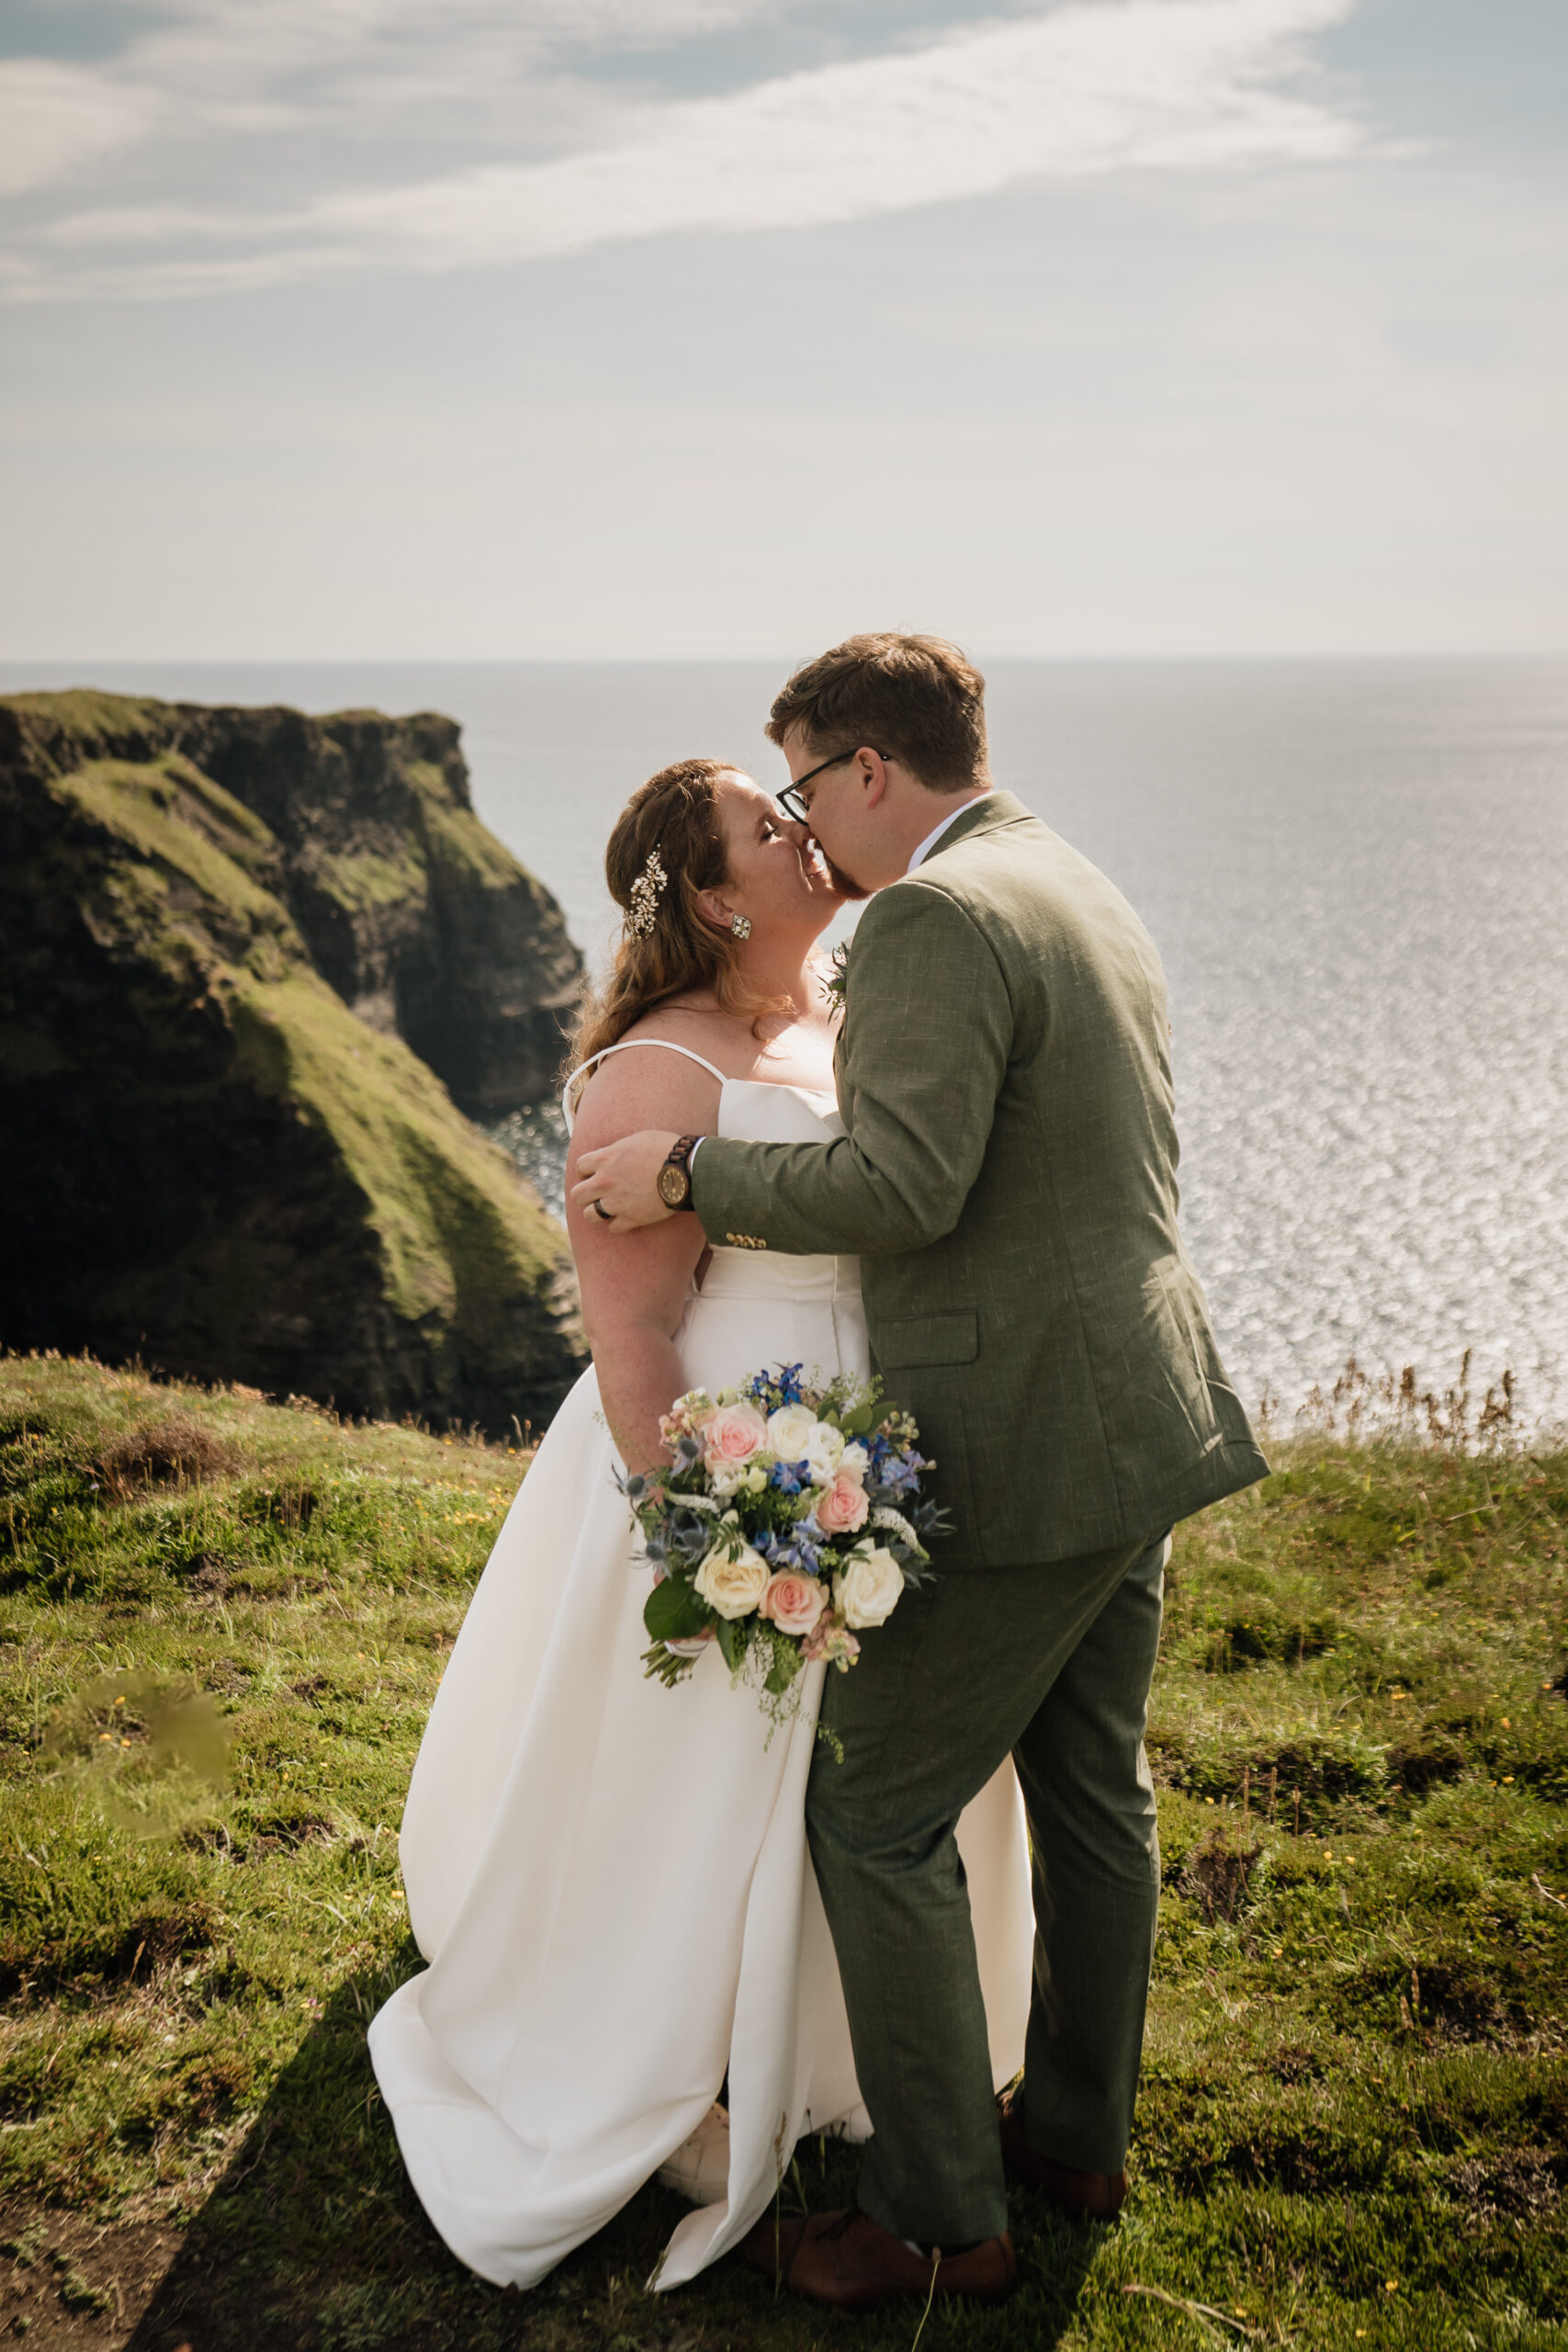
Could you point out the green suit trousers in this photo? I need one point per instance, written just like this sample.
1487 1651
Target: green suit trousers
1063 1655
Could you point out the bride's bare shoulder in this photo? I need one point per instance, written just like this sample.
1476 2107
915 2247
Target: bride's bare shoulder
630 1090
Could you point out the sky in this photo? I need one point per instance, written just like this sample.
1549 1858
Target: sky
702 329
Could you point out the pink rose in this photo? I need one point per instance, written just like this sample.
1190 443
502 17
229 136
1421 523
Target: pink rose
733 1433
794 1602
841 1506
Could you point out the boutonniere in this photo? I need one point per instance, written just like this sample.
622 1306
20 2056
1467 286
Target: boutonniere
834 982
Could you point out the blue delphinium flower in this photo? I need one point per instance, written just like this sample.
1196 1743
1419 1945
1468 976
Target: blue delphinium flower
769 1390
900 1474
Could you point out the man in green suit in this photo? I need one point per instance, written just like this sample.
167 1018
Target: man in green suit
1008 1180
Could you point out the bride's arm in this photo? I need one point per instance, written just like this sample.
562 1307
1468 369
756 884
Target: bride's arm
929 1034
634 1287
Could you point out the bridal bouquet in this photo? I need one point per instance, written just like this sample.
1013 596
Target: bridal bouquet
790 1521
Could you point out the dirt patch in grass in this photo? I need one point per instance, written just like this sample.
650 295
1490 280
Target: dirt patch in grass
91 1957
292 1504
1296 2062
178 1449
68 2283
1219 1871
1516 2180
1426 1764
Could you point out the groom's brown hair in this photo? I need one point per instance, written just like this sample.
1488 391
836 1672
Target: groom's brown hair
919 698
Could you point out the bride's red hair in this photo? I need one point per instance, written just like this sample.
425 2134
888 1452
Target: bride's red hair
679 954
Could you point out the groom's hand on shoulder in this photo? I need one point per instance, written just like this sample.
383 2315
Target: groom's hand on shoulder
618 1184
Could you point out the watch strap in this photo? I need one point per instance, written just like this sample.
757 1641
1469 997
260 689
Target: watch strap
679 1155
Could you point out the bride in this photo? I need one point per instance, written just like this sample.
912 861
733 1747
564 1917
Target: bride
610 1880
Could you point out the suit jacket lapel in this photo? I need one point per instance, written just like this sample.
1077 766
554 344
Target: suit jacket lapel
987 815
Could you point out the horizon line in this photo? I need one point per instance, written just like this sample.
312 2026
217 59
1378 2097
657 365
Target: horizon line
14 663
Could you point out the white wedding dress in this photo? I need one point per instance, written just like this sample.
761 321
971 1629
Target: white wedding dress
609 1879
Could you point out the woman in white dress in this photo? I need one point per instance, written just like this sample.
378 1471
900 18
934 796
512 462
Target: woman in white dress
609 1879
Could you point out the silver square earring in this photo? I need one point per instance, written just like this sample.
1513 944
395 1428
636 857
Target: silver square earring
742 927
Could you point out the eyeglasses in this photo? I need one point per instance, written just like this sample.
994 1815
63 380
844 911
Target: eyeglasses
793 800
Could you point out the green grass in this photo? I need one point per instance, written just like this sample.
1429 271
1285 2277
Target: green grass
1354 2123
459 1238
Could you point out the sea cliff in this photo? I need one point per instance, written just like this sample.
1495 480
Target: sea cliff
243 956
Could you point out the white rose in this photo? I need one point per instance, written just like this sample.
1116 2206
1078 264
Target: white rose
732 1582
854 1461
789 1430
821 1450
870 1588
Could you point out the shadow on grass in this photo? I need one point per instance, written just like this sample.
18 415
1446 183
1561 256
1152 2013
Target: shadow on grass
313 2241
313 2237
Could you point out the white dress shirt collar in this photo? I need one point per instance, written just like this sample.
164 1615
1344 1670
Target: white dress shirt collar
936 834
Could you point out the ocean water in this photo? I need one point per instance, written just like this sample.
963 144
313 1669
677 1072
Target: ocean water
1358 878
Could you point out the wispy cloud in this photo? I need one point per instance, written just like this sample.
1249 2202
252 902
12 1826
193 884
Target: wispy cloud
1110 85
365 62
363 68
55 116
1173 84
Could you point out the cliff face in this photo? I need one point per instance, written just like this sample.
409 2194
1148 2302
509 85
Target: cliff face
206 1156
423 923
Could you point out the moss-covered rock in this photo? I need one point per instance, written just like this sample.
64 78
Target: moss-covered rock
426 925
208 1158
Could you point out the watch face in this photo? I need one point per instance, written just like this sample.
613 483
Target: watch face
674 1186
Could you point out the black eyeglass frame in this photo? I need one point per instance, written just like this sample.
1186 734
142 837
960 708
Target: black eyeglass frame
789 799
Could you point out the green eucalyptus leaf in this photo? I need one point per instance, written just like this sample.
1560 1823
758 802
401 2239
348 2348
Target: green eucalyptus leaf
786 1665
672 1612
734 1640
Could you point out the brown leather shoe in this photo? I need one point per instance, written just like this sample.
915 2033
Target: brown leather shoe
851 2262
1086 2195
770 2246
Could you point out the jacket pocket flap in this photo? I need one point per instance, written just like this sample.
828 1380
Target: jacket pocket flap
912 1339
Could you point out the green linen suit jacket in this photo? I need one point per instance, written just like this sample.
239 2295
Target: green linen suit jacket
1008 1180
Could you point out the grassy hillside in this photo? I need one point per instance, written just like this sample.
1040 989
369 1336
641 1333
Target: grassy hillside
1354 2126
209 1159
408 905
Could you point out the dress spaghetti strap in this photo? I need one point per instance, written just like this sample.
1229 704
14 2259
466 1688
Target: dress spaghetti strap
628 1046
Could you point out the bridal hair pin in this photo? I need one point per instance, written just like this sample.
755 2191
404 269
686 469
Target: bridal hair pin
643 912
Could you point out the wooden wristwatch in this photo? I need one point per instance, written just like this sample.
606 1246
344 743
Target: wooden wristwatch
674 1179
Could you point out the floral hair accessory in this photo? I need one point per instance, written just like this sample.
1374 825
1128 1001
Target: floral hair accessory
647 890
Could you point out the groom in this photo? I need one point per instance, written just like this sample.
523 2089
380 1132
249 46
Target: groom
1007 1179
